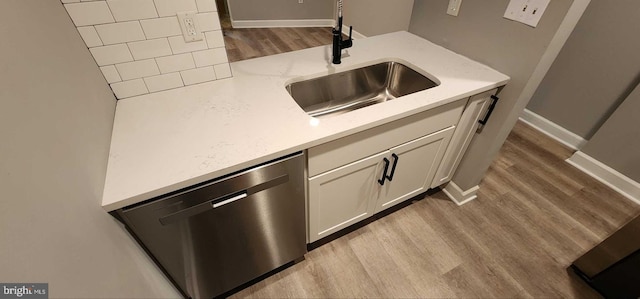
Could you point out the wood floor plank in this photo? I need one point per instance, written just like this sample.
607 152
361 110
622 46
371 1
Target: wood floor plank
546 167
520 254
585 214
549 146
380 266
415 258
529 197
443 215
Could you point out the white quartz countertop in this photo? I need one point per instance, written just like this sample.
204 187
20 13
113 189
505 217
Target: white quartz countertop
167 141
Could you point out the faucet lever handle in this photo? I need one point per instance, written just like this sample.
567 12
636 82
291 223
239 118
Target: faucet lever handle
348 42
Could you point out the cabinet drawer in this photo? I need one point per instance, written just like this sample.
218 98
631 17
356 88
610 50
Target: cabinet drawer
351 148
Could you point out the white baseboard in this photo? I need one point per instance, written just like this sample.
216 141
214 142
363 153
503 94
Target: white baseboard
553 130
607 175
282 23
459 196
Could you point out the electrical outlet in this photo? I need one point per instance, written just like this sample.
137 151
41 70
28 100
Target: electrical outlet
526 11
454 7
300 1
189 25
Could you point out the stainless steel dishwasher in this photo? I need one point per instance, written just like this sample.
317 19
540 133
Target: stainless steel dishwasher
214 237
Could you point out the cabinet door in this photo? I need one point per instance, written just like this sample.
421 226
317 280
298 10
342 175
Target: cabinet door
417 162
344 196
465 130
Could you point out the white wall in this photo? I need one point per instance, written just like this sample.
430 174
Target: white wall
139 47
524 53
617 141
375 17
595 71
56 117
252 10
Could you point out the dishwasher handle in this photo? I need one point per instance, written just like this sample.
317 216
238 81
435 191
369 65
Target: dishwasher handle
229 200
221 201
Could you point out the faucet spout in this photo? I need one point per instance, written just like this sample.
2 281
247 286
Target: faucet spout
338 42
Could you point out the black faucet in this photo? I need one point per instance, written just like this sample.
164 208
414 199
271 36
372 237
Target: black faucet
338 42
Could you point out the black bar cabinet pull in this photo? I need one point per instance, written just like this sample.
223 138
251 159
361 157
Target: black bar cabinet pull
384 173
393 168
491 107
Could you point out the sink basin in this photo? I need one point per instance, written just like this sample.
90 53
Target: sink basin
347 91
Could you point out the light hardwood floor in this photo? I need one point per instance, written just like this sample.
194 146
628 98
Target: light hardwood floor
243 44
534 215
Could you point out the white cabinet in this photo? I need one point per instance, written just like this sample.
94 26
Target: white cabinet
465 130
356 176
348 182
415 165
343 196
351 193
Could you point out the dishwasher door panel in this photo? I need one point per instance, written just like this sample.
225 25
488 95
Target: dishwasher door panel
258 226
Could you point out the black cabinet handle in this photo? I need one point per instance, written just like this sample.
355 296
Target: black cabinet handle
393 169
384 173
491 107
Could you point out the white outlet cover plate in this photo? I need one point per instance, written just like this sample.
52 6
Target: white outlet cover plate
513 9
190 33
527 12
454 7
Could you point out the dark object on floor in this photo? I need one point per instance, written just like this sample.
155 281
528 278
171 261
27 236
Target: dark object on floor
613 266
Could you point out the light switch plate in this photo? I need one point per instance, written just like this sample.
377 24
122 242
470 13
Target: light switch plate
526 11
514 10
189 25
454 7
534 12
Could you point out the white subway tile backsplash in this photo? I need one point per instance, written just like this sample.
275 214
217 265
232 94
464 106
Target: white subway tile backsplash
171 7
222 70
138 69
210 57
90 36
161 27
199 75
129 10
164 82
208 21
178 45
130 88
139 47
117 33
112 54
110 74
150 48
215 39
89 13
174 63
206 5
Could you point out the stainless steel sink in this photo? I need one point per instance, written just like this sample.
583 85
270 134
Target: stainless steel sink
347 91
